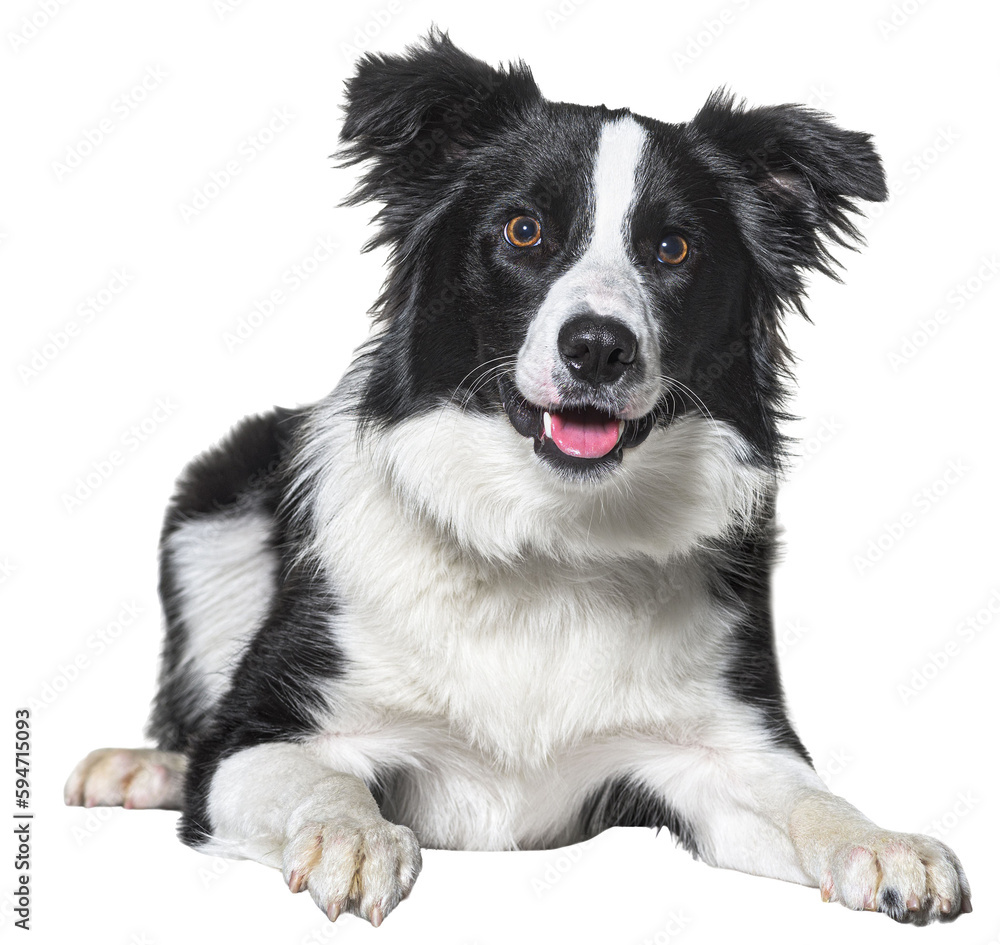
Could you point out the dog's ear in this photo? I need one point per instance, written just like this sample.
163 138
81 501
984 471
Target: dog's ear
804 174
415 115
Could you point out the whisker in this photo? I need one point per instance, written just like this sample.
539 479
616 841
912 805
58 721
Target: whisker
478 367
493 367
673 386
480 382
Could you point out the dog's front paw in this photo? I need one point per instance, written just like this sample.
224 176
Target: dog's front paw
128 777
362 868
907 876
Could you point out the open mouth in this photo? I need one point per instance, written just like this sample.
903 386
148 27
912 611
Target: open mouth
575 438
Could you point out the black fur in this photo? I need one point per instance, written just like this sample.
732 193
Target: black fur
241 470
742 570
891 903
288 615
453 148
624 802
281 680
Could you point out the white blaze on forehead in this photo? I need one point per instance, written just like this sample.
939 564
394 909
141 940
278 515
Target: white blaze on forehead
604 280
614 184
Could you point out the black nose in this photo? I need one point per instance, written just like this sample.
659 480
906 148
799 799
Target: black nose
597 350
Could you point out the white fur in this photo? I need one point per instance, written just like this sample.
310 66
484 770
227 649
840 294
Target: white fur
604 281
139 778
279 805
752 806
513 640
483 658
476 481
226 578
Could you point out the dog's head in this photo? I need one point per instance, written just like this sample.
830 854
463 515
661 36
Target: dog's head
595 275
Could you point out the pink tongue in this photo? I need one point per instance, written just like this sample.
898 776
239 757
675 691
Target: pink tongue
585 433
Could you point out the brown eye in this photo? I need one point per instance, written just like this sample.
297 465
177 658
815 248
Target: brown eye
523 232
673 249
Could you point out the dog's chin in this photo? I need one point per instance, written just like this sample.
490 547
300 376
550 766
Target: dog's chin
582 442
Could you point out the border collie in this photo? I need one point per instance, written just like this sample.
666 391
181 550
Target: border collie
508 585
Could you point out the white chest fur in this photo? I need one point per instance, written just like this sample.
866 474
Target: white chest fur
512 638
522 663
523 612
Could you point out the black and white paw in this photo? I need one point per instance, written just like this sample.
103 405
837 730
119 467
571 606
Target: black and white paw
365 868
139 778
909 877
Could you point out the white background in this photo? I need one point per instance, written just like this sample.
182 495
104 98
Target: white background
921 77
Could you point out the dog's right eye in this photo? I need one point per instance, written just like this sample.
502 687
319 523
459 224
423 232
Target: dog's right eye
523 231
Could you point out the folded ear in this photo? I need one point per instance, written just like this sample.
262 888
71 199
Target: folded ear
803 172
416 114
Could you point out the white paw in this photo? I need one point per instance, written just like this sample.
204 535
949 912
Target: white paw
365 867
909 877
138 778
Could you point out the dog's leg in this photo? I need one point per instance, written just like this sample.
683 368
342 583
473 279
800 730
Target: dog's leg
911 877
277 804
139 778
768 813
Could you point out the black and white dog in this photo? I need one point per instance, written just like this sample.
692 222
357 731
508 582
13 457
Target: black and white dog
508 585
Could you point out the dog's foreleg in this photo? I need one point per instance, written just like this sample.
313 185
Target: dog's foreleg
768 813
139 778
911 877
278 804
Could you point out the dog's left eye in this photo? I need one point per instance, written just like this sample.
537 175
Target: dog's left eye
523 231
673 249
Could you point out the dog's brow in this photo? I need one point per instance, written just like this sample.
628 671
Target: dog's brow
615 176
